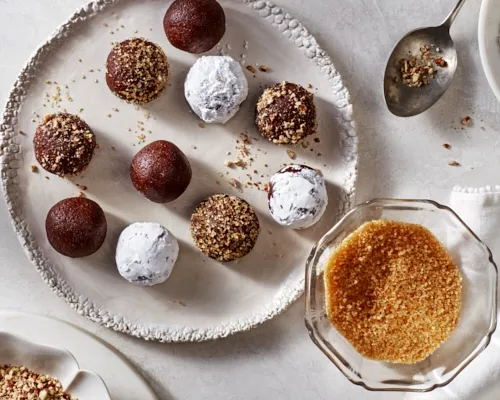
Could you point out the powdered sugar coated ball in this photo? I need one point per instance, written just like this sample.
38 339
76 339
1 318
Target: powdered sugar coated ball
146 253
297 196
215 87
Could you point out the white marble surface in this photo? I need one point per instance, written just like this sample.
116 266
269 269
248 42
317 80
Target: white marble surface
398 158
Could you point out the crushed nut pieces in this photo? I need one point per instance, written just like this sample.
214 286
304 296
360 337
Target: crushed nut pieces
466 120
417 71
19 383
251 68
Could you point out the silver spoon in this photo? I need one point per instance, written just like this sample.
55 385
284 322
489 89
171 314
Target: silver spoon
406 101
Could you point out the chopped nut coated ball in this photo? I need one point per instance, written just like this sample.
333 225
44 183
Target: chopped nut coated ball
64 144
225 227
286 113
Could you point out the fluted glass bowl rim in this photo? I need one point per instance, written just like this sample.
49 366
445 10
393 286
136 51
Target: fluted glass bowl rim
312 331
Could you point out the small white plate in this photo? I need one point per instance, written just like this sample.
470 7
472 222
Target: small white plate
203 299
38 342
53 361
489 42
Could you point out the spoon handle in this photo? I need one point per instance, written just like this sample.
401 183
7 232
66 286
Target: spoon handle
451 18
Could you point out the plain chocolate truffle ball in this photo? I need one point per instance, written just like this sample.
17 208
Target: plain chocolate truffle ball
161 172
286 113
76 227
225 227
195 26
137 71
64 144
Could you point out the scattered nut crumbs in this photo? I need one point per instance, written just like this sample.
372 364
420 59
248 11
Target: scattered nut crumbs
291 154
201 124
251 68
19 383
34 169
393 291
454 163
229 164
235 183
80 194
446 146
466 121
264 68
240 163
416 71
440 62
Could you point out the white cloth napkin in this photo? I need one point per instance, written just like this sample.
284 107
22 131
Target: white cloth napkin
480 209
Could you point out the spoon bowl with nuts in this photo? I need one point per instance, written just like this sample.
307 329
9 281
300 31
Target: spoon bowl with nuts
421 68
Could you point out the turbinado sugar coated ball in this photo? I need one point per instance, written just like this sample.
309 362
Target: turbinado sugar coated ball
225 227
215 87
146 253
76 227
160 171
195 26
137 71
297 196
64 144
286 113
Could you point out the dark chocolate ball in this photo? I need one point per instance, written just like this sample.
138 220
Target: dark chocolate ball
161 172
195 26
64 144
76 227
286 113
225 227
137 71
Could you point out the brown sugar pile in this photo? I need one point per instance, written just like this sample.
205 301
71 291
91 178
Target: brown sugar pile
393 291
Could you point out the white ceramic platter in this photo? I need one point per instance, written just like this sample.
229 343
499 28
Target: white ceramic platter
70 348
203 299
489 42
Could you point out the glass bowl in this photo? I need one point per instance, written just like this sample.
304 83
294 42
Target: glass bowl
479 299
